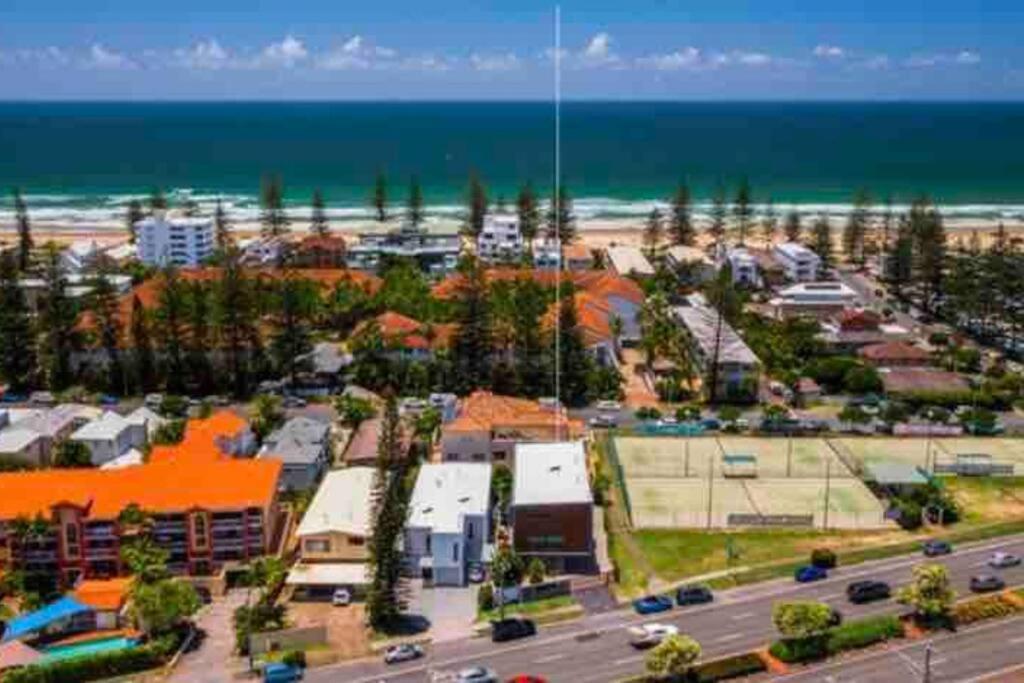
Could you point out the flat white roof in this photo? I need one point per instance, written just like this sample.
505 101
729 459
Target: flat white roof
132 457
551 473
702 324
446 492
16 440
329 574
685 254
795 250
628 260
342 503
108 426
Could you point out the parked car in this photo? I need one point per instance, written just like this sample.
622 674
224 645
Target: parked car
609 405
341 597
108 400
476 573
668 421
10 397
860 592
711 424
396 654
476 674
808 573
294 402
1001 560
42 398
526 678
512 629
986 583
935 547
652 604
153 401
281 673
648 635
694 595
603 422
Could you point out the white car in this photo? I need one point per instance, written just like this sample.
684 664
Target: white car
649 635
609 405
476 674
396 654
1000 560
341 598
668 420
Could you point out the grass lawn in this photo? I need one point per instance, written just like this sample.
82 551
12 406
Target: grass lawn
988 499
530 609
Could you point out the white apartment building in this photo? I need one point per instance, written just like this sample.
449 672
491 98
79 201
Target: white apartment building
500 239
744 267
801 264
184 242
110 437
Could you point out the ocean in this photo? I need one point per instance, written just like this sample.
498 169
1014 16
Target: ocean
80 163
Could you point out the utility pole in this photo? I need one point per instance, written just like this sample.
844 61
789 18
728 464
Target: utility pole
926 675
711 481
686 464
828 490
789 453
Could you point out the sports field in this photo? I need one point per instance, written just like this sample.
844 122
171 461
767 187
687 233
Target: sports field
1002 450
911 451
668 485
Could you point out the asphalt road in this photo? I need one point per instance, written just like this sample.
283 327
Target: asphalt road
595 649
989 651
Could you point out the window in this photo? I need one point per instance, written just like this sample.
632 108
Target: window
71 547
428 543
356 540
199 539
469 530
455 552
314 545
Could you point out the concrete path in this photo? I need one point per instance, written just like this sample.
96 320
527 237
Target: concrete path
214 661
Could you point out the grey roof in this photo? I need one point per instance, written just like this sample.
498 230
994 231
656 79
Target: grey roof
300 441
16 439
895 473
626 260
701 322
551 474
327 358
106 428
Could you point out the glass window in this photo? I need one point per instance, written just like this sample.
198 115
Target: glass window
455 552
199 539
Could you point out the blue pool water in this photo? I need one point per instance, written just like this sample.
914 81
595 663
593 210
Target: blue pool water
91 647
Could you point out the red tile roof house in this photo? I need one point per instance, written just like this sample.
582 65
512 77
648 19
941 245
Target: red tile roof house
208 510
895 354
406 337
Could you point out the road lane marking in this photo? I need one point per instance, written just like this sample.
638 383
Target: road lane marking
830 596
550 658
627 660
1017 641
744 615
729 636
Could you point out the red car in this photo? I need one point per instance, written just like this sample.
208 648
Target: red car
523 678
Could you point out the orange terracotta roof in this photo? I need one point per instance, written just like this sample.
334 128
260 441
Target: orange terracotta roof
894 351
599 282
162 487
483 410
409 333
330 242
593 318
200 440
103 594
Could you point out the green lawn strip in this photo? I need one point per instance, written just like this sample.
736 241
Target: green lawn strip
530 609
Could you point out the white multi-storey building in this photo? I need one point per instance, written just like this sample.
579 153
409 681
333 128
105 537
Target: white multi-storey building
185 242
801 264
744 267
500 239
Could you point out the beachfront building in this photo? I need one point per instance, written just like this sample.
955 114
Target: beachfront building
800 263
744 266
629 261
820 300
82 256
488 427
435 253
78 286
552 506
333 536
500 239
183 242
449 521
693 265
714 341
265 252
315 251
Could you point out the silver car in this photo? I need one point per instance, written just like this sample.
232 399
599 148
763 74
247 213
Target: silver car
477 674
396 654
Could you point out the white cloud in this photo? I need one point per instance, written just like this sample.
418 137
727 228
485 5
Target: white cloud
829 51
286 53
355 53
100 57
598 51
967 57
740 58
489 62
427 62
687 58
206 54
876 63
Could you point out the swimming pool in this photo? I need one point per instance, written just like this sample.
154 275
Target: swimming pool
89 647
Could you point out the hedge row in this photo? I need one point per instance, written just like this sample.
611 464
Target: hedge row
986 607
852 635
97 666
711 671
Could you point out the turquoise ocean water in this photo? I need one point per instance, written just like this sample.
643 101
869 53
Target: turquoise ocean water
83 161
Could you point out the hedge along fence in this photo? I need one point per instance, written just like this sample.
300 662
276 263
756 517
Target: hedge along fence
987 607
722 669
97 666
620 477
853 635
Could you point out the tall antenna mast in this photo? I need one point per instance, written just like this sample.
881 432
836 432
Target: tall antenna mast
556 212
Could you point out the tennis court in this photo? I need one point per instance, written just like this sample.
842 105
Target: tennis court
781 457
912 451
1002 450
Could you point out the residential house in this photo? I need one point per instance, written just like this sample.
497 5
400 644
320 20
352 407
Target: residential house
577 257
800 263
406 338
594 317
334 535
145 422
109 437
713 340
855 328
807 391
901 381
449 521
623 296
82 256
744 267
205 515
183 242
693 265
321 369
629 261
552 506
821 300
303 446
547 255
489 426
771 273
315 251
51 425
107 598
78 287
433 252
22 446
895 354
265 252
500 239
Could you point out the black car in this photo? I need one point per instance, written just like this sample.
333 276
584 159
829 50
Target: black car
934 548
860 592
986 583
512 629
835 618
693 595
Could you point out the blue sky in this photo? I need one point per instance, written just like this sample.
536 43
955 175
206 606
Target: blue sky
440 49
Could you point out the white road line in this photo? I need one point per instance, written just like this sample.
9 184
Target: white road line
939 660
550 658
1017 641
744 615
726 638
830 596
627 660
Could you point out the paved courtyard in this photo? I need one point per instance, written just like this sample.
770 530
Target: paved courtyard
214 661
451 611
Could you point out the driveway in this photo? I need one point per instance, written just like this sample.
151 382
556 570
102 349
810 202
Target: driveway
450 610
346 626
214 661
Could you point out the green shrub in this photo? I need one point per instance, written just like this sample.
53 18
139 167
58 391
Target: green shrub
485 598
729 667
793 650
987 607
294 658
823 558
91 667
861 633
910 514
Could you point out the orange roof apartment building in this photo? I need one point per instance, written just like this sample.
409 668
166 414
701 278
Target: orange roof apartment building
206 509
